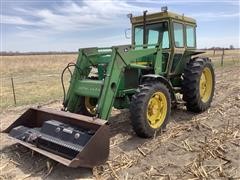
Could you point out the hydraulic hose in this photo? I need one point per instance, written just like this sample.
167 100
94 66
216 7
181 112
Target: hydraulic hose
71 64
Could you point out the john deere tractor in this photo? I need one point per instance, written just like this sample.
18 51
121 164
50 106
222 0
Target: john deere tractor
145 77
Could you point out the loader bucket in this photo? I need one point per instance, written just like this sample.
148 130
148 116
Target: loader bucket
71 139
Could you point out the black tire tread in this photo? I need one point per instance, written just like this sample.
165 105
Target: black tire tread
138 112
190 85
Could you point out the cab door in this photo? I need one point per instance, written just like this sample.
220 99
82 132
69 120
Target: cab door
178 49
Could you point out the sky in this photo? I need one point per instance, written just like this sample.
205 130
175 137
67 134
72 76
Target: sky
66 25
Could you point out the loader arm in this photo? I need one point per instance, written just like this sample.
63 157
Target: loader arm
105 90
76 139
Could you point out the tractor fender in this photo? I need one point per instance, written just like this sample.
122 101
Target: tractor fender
159 78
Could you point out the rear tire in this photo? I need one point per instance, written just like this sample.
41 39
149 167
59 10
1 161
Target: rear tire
150 109
198 84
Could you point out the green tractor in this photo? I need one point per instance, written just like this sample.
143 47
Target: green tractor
145 77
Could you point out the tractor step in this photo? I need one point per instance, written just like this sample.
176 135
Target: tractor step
71 139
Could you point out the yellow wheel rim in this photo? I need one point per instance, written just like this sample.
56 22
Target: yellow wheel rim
157 110
90 105
206 84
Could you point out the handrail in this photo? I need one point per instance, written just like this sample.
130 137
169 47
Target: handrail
144 45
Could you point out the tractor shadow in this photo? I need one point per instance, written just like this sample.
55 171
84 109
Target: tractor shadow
120 126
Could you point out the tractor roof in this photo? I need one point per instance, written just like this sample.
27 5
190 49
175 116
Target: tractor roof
162 15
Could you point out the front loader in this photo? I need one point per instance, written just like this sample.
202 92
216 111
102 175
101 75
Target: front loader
145 77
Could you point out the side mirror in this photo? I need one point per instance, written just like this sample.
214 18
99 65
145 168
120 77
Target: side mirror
128 33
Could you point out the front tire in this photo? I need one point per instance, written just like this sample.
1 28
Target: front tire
198 84
150 109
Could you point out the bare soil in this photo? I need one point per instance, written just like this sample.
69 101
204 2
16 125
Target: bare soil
200 146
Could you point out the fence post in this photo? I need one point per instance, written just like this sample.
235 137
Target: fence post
13 90
222 58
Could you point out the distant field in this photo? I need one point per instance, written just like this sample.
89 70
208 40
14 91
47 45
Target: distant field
230 57
226 52
34 64
37 77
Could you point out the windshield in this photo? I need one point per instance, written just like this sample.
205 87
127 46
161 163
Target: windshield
155 33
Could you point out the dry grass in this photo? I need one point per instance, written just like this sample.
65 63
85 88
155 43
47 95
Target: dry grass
230 57
219 52
36 78
34 64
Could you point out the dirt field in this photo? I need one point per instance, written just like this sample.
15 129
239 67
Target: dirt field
193 147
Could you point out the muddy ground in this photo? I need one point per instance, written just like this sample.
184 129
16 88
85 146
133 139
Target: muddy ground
194 146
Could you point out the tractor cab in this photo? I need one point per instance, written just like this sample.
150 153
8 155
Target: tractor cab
174 33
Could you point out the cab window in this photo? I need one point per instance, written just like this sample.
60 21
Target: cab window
190 35
138 31
165 41
155 33
178 35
